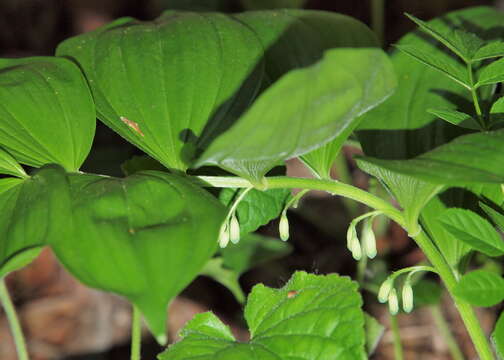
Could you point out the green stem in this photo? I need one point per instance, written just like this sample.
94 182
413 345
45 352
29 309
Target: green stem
332 186
446 333
396 336
474 94
136 334
466 311
377 19
15 326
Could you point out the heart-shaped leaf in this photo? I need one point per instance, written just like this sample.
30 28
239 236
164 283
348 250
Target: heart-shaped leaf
480 288
47 114
33 210
311 317
170 85
472 229
145 237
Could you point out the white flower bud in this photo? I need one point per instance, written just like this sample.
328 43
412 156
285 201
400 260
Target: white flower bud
385 289
224 235
356 250
393 302
351 235
407 297
283 227
234 230
368 239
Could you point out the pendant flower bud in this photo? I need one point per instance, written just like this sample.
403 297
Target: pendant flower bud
234 229
351 236
224 235
393 302
407 297
369 239
385 290
283 227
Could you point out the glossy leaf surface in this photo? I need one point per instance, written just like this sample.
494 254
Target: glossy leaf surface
480 288
473 158
311 317
145 237
473 230
170 85
47 114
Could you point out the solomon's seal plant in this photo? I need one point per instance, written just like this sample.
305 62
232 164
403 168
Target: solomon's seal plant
243 93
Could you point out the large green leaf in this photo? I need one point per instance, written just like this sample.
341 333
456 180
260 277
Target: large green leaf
498 335
473 158
257 208
472 229
33 211
47 113
170 85
145 237
496 216
480 288
304 110
311 317
9 165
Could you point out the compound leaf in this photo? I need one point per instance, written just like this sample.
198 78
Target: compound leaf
480 288
312 317
456 118
47 114
491 74
490 50
473 230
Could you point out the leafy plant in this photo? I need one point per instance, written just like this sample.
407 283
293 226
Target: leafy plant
236 95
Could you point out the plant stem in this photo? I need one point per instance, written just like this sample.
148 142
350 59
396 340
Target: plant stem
136 334
332 186
474 94
396 336
377 19
446 333
467 314
15 326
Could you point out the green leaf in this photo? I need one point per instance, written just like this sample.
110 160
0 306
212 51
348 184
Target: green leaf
456 118
462 43
491 74
456 72
498 335
473 230
9 165
480 288
427 293
309 107
253 250
374 332
258 207
43 99
311 317
201 72
145 237
412 194
33 211
214 269
490 50
496 216
473 158
140 163
272 4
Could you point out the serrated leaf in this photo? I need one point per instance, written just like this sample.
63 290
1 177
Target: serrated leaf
490 50
496 216
480 288
472 229
374 332
491 74
456 118
498 335
455 72
47 114
145 237
170 85
473 158
258 207
320 102
33 211
9 165
312 317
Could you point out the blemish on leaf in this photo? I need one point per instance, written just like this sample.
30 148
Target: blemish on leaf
131 230
291 294
133 125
